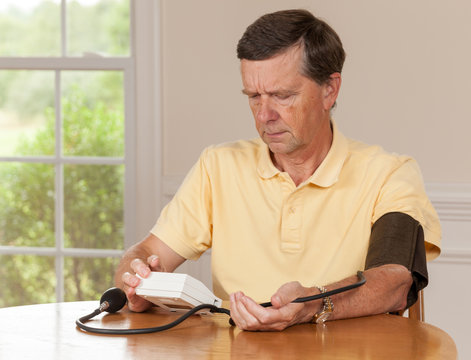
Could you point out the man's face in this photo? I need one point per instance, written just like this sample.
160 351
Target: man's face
291 111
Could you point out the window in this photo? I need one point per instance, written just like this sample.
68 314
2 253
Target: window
66 140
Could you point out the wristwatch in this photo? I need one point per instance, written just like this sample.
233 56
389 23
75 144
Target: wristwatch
327 309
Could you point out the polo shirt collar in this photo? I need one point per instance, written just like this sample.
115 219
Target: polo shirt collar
326 174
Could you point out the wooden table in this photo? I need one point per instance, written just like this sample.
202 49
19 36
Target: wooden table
48 331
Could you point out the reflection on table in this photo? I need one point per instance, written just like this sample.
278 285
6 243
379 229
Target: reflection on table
49 331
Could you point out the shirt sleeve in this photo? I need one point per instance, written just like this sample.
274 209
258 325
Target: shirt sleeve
185 223
403 191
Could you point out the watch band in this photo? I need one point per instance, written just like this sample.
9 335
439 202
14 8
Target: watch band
327 309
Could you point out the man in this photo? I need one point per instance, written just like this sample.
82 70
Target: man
300 207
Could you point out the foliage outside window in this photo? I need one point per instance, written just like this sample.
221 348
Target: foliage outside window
87 150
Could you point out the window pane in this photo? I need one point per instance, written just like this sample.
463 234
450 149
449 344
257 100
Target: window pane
98 26
93 113
30 28
26 204
88 278
26 112
93 206
27 279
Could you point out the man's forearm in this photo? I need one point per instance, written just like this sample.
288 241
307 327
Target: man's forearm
385 290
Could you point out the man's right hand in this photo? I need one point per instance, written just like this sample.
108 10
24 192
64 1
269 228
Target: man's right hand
131 281
141 259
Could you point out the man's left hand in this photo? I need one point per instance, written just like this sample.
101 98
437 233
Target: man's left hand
248 315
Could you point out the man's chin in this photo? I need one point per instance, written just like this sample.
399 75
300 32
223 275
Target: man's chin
278 148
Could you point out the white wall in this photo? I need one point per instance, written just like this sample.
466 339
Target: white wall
406 79
406 83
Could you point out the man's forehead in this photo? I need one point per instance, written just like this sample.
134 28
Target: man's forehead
272 80
279 69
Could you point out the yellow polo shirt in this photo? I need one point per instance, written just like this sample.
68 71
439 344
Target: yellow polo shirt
264 231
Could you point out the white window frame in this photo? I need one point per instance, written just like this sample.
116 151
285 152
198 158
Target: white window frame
142 120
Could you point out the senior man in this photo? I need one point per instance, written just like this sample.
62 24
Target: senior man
301 209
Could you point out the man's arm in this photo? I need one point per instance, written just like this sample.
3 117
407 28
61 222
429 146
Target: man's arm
385 290
151 254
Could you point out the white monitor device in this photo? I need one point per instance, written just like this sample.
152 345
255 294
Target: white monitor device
176 292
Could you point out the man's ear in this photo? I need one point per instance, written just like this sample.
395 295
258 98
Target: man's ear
331 90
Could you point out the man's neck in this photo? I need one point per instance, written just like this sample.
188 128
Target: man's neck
301 164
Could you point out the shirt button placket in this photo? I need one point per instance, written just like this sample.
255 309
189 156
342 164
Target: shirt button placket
290 223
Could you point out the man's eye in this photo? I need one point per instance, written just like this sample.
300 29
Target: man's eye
283 96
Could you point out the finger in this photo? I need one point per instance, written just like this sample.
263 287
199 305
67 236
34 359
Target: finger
233 309
253 316
130 280
135 302
248 315
235 313
272 318
242 318
140 267
155 264
260 313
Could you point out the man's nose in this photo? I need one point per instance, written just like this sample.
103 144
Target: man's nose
266 112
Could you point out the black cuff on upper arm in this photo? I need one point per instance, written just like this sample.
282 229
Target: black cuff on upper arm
397 238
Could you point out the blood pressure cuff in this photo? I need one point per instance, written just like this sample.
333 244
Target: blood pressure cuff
397 238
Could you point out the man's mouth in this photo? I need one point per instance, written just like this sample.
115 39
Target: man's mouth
275 133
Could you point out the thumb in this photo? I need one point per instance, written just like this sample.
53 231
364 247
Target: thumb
286 294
